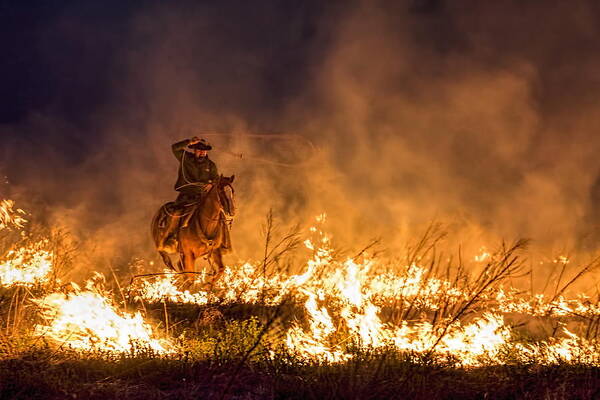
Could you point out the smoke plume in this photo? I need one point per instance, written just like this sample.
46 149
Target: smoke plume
384 115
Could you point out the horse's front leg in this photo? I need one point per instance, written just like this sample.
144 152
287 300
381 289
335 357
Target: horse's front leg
167 260
188 267
218 264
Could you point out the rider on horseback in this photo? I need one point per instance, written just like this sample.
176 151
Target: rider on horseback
195 176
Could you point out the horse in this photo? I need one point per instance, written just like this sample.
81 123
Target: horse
203 230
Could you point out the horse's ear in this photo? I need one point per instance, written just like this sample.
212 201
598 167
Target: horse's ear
232 178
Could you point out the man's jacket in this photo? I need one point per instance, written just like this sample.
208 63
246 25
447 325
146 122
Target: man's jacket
192 170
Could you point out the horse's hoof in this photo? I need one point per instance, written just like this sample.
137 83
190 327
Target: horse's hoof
210 317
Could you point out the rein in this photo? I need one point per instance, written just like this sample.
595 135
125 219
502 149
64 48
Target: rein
218 188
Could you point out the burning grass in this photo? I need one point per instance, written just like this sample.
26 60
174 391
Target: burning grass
340 327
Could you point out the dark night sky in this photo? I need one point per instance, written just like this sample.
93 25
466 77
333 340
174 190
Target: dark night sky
66 58
63 55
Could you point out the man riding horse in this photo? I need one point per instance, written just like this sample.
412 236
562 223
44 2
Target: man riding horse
196 174
196 225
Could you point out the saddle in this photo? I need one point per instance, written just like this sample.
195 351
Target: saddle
176 215
173 211
171 220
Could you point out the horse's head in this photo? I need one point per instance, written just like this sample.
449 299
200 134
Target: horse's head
226 193
225 180
220 183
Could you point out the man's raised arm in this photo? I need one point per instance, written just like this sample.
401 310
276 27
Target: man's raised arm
179 147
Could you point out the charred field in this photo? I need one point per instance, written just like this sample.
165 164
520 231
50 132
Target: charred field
45 374
343 327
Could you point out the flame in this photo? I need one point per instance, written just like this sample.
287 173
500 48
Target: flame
561 260
165 289
10 216
26 266
360 317
81 320
86 320
483 255
346 306
314 344
343 303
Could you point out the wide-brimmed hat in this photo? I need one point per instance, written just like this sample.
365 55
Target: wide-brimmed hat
201 145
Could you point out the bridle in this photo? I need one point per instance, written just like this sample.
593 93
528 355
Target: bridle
219 188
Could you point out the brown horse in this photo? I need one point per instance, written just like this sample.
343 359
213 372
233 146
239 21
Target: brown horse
203 231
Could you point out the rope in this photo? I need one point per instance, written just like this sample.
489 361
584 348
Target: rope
176 216
188 182
273 136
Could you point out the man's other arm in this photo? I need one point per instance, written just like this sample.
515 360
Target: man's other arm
214 174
